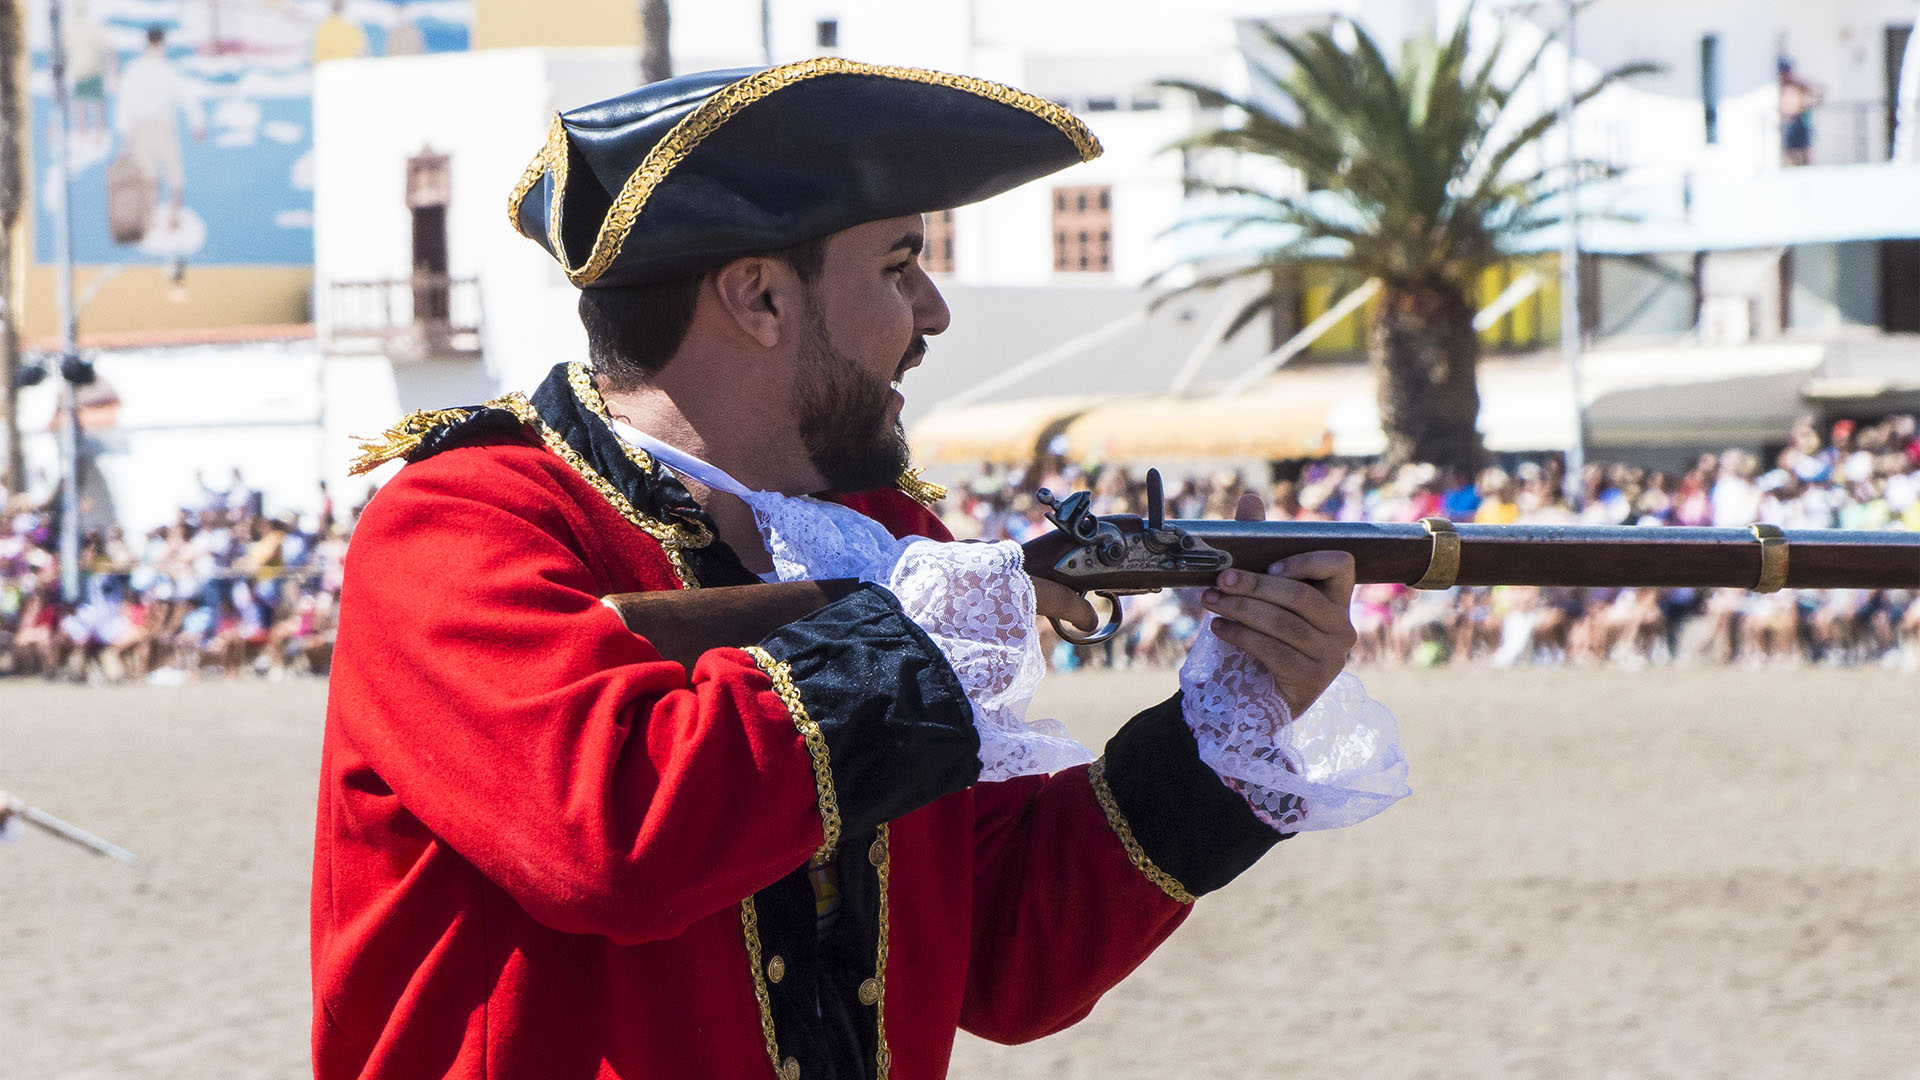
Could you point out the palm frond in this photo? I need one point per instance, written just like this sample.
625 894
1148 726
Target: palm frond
1406 163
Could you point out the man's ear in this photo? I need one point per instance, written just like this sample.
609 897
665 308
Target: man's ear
760 296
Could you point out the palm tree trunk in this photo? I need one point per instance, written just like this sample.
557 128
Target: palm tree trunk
1425 355
656 61
11 39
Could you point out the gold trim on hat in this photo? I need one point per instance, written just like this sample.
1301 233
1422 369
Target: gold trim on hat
717 109
555 145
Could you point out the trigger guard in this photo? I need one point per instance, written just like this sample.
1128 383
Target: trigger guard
1107 629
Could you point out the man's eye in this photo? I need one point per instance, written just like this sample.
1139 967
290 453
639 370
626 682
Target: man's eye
900 268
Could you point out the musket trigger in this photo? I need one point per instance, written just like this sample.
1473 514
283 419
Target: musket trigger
1107 629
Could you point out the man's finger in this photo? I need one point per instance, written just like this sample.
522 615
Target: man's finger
1053 600
1272 620
1249 508
1323 600
1303 599
1331 570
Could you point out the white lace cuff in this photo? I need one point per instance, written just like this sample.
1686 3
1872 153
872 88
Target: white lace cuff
1337 764
974 600
977 605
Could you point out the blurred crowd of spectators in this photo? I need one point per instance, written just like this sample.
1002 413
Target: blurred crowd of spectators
1849 477
224 589
231 590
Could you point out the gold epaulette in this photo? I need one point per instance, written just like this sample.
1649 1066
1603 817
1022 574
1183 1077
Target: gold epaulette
405 437
402 438
924 492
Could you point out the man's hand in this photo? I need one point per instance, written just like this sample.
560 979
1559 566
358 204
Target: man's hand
1293 619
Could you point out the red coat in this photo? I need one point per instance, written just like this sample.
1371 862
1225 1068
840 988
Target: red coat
534 836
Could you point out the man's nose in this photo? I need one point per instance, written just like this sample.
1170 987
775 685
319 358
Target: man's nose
930 308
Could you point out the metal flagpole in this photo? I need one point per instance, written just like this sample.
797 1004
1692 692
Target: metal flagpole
1570 279
69 346
766 31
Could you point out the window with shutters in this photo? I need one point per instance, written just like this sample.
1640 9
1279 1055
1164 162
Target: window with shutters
1083 230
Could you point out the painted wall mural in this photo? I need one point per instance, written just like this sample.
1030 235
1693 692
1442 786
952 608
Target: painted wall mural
190 128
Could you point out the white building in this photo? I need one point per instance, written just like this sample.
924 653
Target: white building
426 297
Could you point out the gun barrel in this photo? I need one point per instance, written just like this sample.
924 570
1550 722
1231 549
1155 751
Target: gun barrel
1543 555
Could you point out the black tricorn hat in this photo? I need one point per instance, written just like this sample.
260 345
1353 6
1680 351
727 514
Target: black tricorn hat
684 174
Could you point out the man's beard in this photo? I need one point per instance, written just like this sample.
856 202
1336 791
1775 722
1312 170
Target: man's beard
843 416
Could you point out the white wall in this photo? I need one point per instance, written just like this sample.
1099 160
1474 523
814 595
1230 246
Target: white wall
489 111
199 408
1659 123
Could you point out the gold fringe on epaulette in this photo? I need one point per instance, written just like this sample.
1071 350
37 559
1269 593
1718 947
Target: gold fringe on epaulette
924 492
403 438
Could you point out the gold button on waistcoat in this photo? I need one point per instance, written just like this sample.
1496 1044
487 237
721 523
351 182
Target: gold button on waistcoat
877 854
870 992
776 969
790 1069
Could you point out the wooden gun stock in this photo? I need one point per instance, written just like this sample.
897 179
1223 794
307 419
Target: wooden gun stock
681 624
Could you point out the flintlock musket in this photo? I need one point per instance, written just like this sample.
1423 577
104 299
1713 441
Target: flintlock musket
1115 555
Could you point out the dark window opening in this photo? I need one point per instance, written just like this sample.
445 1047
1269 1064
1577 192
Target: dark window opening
826 33
1900 286
429 189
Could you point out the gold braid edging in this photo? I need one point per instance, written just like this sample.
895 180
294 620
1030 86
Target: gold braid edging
555 147
782 677
750 926
580 378
883 1057
692 534
721 106
1097 777
882 858
924 492
406 436
673 539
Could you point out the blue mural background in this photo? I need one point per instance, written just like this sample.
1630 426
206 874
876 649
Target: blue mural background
248 64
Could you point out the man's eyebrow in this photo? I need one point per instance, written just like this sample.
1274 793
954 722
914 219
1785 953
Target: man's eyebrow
912 242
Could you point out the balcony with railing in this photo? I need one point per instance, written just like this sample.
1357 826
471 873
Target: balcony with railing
424 317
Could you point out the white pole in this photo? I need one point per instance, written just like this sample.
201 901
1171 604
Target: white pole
1570 279
63 292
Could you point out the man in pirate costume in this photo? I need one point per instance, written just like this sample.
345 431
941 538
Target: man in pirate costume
543 851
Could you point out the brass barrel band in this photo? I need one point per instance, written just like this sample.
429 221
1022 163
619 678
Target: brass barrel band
1773 557
1443 567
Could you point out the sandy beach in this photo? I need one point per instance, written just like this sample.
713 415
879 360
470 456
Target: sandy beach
1602 874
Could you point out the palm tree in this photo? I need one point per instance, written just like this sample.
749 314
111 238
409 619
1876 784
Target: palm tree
1408 179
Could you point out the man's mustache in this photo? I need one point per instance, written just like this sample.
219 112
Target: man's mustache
913 355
